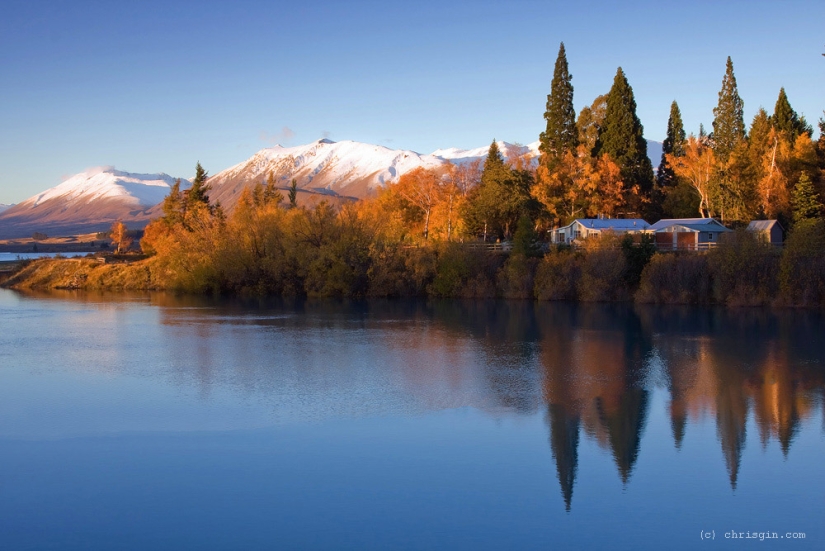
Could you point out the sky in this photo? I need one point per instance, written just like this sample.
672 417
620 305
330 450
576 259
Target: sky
158 86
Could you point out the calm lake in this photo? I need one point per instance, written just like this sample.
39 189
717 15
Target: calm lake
156 422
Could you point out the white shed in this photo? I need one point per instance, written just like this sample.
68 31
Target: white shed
769 230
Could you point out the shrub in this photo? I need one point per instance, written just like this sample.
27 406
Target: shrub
802 267
675 279
556 276
744 269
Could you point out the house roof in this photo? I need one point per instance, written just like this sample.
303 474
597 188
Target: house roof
612 223
695 224
696 228
763 225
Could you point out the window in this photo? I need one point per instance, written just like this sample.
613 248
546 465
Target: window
710 236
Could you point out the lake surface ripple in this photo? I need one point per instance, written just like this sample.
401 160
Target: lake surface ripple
160 422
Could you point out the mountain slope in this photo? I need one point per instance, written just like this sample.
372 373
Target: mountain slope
347 168
89 201
508 150
93 199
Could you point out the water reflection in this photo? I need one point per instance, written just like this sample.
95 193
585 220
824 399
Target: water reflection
590 370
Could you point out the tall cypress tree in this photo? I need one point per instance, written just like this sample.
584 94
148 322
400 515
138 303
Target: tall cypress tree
728 116
674 144
621 137
561 134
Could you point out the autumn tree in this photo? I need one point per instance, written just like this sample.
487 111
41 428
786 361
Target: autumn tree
120 237
697 167
561 134
420 187
581 186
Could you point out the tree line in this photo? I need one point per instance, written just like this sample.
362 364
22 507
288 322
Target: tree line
410 238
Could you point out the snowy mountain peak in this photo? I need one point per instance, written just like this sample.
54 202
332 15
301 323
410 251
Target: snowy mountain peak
508 150
346 168
101 182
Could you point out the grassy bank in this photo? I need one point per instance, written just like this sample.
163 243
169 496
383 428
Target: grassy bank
86 274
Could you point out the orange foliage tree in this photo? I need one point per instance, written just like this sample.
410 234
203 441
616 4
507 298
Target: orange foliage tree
120 237
698 168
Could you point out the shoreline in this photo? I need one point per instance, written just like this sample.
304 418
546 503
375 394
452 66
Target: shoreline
146 274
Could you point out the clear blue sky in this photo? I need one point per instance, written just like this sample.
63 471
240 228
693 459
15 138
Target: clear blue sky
157 86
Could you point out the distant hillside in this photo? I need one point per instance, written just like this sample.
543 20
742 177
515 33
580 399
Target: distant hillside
88 201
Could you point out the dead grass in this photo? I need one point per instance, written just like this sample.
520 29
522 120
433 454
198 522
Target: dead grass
86 274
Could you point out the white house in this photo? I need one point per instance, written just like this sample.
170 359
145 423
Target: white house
688 233
582 228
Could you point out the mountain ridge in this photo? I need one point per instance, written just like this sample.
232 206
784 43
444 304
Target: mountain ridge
339 171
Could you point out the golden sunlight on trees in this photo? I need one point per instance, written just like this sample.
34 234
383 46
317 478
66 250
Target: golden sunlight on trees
120 237
697 167
581 186
421 188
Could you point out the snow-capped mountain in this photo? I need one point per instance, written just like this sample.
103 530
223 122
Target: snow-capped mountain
508 150
346 168
4 207
91 200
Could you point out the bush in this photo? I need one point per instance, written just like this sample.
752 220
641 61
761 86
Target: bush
464 272
603 273
515 278
675 279
556 276
744 269
802 267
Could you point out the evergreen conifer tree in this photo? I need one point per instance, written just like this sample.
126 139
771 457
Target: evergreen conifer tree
494 165
293 194
500 198
674 144
621 137
174 205
806 204
198 192
728 116
786 120
561 134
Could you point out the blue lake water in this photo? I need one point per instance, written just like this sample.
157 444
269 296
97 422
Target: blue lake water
10 257
156 422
